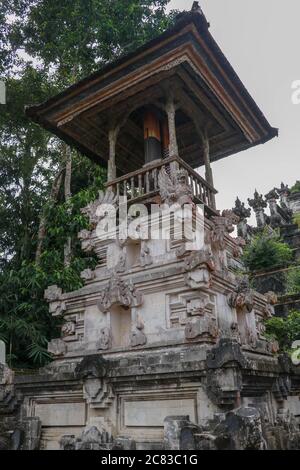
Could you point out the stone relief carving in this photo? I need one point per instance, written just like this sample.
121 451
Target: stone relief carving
243 297
88 275
235 334
57 308
239 244
138 337
52 293
145 256
121 264
223 224
271 299
68 328
95 438
174 189
198 266
198 327
57 347
119 292
105 339
53 296
97 390
198 258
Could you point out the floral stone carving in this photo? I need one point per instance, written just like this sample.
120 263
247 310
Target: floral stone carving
119 292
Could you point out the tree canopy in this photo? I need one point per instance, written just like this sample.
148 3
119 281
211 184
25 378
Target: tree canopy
44 47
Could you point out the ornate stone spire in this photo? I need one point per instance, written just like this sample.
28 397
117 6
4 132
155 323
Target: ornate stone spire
258 204
242 213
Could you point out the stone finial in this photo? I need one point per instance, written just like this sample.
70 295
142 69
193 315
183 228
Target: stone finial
240 210
273 194
257 202
284 189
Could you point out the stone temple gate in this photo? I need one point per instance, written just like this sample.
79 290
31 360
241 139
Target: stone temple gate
163 347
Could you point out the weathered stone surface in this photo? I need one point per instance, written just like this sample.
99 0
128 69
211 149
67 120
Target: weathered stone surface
226 351
118 292
241 430
57 347
243 297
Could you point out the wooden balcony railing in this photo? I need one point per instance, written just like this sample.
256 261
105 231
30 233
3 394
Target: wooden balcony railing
143 183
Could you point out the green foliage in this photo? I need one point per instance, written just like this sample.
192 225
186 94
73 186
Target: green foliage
266 251
284 330
296 187
293 280
296 219
79 36
25 322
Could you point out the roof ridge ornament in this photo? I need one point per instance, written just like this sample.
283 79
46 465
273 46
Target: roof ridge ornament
196 7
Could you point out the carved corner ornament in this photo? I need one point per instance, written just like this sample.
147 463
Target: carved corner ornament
119 292
97 391
242 299
53 296
224 372
223 225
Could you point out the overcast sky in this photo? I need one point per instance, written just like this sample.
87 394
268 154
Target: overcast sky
261 40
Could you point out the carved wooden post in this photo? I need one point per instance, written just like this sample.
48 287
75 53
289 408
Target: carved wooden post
171 113
208 170
2 353
111 167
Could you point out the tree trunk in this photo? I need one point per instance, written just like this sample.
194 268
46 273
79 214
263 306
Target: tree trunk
43 220
68 176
